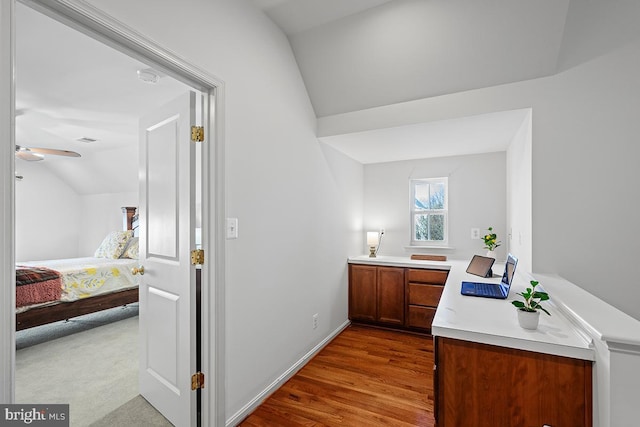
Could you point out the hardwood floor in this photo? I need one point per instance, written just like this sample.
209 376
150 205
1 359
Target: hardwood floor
364 377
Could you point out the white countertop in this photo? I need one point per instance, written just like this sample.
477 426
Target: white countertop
393 261
492 321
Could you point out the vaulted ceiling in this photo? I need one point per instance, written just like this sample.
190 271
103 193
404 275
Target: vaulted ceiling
360 54
69 87
352 55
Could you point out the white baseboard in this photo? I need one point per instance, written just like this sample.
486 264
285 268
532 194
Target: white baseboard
275 385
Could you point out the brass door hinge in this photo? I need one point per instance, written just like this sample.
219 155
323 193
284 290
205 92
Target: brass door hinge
197 133
197 257
197 381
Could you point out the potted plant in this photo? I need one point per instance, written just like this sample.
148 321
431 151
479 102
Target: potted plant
528 314
490 242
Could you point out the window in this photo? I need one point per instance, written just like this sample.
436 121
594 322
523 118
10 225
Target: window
429 211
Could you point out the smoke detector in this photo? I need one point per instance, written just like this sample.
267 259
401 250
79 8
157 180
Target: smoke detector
149 75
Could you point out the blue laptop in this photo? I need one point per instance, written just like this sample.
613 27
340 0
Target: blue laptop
493 290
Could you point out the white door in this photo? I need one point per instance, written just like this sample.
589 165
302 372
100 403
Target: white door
167 287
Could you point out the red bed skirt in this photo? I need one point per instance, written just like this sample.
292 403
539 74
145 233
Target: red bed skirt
35 285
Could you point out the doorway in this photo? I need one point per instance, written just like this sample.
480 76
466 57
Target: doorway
111 32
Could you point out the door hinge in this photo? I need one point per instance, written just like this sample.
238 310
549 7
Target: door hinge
197 133
197 381
197 257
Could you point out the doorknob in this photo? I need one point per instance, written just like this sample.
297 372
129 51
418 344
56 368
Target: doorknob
138 270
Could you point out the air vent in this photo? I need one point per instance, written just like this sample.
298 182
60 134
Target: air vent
86 139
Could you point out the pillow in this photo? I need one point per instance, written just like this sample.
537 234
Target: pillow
114 244
132 249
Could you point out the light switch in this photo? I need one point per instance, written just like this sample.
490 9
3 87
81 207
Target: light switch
232 228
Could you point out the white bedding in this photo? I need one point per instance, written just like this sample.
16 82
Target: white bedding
87 277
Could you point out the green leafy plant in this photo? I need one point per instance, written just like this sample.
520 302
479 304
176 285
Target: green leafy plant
491 240
532 299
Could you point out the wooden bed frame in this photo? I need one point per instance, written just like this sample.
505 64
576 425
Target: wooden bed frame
65 310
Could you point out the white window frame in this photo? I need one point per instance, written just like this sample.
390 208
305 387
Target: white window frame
414 211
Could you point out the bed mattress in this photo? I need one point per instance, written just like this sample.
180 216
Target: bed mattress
87 277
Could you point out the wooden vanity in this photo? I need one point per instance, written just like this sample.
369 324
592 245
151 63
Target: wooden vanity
395 296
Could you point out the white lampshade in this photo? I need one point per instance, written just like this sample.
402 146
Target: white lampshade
372 238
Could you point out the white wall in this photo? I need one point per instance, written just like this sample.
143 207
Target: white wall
477 199
299 203
100 215
584 160
47 215
519 195
53 221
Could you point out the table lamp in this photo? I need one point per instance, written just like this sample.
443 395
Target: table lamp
372 242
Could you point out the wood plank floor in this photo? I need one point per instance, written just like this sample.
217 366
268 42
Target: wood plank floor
364 377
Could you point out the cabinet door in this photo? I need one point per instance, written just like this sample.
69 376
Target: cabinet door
391 295
518 387
362 292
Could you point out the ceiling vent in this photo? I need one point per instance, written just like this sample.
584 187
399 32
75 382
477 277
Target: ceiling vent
86 139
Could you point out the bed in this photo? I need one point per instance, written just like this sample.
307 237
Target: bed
53 290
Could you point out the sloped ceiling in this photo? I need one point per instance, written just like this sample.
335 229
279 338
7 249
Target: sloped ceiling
70 86
352 55
361 54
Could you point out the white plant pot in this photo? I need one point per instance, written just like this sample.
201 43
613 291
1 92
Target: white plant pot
528 319
491 254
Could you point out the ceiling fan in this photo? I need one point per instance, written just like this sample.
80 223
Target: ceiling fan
33 154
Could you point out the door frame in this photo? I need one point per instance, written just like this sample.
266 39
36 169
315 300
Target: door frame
96 24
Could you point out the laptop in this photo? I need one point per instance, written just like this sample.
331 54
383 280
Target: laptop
481 266
493 290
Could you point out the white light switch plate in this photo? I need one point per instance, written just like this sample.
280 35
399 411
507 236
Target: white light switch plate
232 228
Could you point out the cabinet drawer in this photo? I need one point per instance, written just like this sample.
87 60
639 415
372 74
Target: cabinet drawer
437 277
420 294
421 317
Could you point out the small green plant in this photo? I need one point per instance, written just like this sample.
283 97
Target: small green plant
532 299
491 240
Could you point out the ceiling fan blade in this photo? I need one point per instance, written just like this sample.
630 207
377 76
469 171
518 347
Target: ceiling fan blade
54 152
26 155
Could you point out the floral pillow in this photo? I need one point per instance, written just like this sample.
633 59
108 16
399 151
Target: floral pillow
132 249
114 244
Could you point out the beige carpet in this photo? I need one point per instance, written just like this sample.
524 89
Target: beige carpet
95 370
136 412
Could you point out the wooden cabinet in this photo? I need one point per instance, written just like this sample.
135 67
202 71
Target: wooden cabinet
390 299
363 292
376 294
424 289
479 385
397 297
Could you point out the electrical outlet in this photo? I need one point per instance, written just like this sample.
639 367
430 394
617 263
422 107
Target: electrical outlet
315 321
475 233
